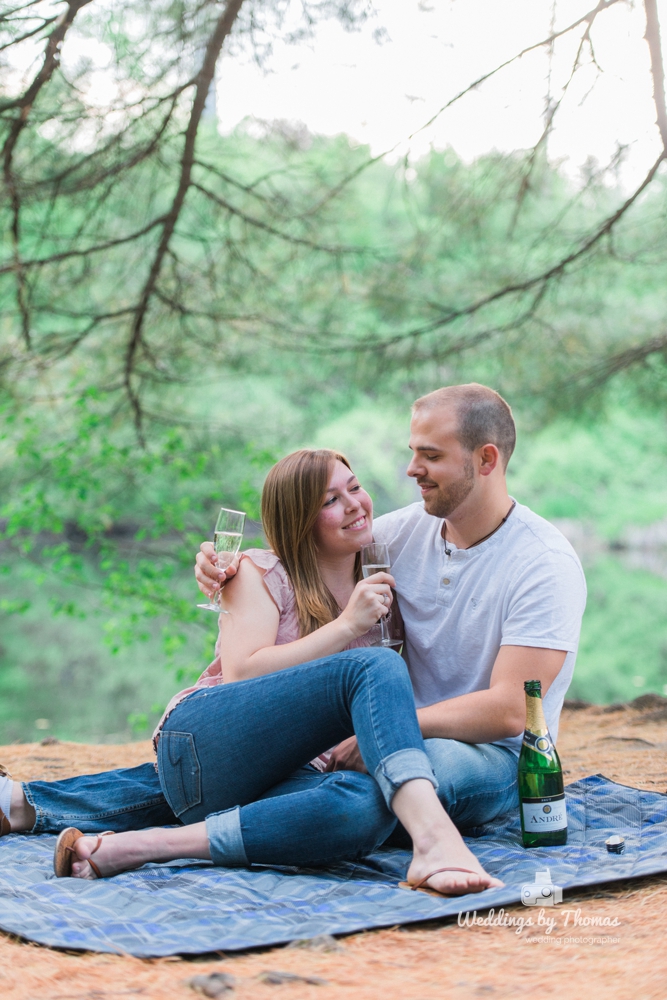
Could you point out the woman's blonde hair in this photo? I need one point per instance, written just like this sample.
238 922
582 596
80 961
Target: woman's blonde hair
292 499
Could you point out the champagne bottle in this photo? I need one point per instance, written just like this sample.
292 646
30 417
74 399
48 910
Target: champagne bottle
541 794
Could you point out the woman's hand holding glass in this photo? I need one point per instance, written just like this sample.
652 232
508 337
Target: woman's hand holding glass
370 601
375 562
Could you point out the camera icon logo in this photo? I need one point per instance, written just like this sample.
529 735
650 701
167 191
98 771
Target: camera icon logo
542 892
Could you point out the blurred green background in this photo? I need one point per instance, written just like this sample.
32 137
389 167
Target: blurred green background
175 318
89 657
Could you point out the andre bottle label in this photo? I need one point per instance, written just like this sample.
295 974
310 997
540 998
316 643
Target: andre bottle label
545 814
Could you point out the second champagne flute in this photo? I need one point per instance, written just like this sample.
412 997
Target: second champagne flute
375 559
227 541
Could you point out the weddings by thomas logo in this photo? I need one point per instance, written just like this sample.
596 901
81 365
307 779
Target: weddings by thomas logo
545 921
519 922
540 894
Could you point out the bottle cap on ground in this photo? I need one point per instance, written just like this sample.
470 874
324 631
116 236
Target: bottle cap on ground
615 844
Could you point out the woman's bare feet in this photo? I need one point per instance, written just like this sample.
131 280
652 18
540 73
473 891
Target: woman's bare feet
125 851
449 852
437 843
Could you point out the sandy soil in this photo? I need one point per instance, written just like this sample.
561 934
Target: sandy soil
426 962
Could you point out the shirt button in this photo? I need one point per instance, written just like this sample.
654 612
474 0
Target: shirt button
445 579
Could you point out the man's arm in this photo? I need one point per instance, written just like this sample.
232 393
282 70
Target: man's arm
481 716
500 711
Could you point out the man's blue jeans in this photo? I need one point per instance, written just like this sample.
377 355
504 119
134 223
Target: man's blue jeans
235 756
476 781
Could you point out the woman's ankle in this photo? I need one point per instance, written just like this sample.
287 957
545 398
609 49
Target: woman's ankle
135 848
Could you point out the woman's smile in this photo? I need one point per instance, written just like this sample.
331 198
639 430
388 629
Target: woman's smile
357 525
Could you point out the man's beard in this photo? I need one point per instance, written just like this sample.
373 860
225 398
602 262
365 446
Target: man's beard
446 499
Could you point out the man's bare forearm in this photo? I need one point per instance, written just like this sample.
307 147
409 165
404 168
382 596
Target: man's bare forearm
479 717
498 712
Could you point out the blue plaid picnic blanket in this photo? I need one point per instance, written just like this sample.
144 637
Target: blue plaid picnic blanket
190 907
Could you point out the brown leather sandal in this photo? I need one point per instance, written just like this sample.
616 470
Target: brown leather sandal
64 854
422 887
5 826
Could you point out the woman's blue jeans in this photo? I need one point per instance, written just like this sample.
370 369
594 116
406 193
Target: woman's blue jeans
236 756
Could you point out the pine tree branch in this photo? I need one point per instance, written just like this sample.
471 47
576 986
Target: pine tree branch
598 374
55 258
25 103
514 288
589 17
267 228
204 80
29 34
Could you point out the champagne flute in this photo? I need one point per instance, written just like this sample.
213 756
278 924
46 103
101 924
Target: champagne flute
227 541
375 559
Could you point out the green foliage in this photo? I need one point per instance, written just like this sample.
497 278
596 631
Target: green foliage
55 669
623 650
610 473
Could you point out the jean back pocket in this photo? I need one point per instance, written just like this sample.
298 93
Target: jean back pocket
179 770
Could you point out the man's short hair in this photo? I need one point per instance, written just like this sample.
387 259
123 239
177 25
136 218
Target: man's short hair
483 416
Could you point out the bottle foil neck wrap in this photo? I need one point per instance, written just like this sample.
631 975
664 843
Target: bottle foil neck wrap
535 721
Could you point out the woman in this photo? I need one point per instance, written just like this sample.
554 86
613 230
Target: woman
232 756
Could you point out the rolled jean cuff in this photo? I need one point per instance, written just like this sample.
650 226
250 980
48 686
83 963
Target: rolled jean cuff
225 839
402 766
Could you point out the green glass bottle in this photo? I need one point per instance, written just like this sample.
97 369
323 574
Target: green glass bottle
541 794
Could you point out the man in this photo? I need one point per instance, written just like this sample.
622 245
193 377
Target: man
491 595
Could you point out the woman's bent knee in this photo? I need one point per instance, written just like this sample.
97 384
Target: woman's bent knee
375 660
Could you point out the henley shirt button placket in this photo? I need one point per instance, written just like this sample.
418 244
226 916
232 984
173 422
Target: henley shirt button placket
446 587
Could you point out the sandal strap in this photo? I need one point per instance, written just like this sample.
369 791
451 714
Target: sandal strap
418 885
107 833
95 868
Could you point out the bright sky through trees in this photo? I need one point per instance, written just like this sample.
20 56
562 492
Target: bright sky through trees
380 91
383 81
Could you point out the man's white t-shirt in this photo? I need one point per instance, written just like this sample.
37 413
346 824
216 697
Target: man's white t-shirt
523 586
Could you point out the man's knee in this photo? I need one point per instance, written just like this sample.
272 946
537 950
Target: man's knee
476 782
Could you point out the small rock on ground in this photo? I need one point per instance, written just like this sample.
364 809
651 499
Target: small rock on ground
216 984
277 978
323 942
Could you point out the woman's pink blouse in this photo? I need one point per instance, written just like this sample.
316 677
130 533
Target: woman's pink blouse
279 587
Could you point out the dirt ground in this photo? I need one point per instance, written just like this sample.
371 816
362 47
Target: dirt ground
580 959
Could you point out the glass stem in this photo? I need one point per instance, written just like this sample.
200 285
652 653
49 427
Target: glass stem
384 631
217 599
